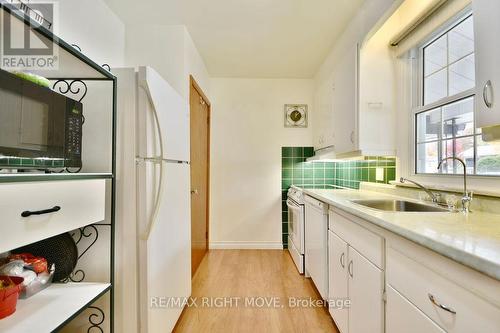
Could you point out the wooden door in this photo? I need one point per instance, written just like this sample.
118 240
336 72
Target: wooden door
366 286
200 153
337 279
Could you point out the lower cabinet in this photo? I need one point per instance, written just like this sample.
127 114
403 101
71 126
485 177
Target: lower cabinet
424 291
366 288
449 305
337 280
402 316
353 277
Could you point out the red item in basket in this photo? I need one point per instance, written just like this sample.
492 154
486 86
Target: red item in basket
38 264
9 294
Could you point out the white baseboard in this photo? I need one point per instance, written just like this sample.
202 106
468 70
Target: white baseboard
242 245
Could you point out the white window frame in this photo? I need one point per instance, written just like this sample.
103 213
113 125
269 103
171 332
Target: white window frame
418 106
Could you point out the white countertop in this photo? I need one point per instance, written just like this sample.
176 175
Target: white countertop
472 240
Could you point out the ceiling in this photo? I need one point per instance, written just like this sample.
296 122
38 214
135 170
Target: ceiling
251 38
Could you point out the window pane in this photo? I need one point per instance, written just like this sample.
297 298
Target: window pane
462 148
427 157
435 87
429 125
458 118
461 40
488 157
462 75
435 56
449 130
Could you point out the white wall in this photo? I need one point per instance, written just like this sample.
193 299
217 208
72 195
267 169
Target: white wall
246 138
195 66
170 50
94 28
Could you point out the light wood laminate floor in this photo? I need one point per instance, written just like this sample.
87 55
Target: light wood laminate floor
240 276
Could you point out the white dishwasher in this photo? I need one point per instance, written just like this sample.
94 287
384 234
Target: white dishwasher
316 244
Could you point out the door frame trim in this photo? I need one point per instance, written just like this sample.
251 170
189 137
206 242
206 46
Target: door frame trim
194 85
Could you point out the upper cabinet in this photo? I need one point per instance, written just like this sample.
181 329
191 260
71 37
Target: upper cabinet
486 31
345 101
337 100
323 117
355 107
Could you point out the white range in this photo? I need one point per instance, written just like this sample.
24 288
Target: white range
296 226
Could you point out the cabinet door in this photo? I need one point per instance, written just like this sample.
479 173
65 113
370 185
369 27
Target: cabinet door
402 316
323 116
487 52
366 287
345 101
316 250
337 280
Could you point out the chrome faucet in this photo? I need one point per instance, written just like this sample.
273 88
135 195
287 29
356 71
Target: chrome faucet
433 196
467 196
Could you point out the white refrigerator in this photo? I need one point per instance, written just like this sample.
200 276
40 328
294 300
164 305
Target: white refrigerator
153 258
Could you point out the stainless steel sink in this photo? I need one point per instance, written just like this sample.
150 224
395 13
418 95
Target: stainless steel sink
399 206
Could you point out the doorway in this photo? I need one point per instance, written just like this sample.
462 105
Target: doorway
200 171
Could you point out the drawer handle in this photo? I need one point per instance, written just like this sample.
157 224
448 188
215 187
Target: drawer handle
342 260
350 270
444 307
28 213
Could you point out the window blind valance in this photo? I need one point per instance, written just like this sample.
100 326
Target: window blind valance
420 19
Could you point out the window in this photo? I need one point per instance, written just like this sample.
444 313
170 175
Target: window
444 118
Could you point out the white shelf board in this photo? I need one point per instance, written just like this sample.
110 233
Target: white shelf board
47 310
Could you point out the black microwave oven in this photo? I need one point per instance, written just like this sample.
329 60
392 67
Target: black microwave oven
39 128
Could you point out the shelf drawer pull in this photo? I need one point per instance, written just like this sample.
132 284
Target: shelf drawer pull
350 269
444 307
342 260
28 213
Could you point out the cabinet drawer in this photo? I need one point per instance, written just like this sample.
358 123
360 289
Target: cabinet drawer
364 241
402 316
473 313
81 203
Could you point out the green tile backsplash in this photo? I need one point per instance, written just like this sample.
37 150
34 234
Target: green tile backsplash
323 175
25 162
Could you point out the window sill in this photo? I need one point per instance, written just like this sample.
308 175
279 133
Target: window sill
448 188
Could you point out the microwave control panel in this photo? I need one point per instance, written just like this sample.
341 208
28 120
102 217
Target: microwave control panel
74 122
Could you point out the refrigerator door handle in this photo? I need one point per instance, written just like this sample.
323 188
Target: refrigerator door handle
159 193
154 111
156 207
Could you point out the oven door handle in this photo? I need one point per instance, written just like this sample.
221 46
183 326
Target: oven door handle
293 206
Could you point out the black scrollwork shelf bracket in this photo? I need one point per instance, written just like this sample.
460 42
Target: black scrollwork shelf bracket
88 232
96 318
76 88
